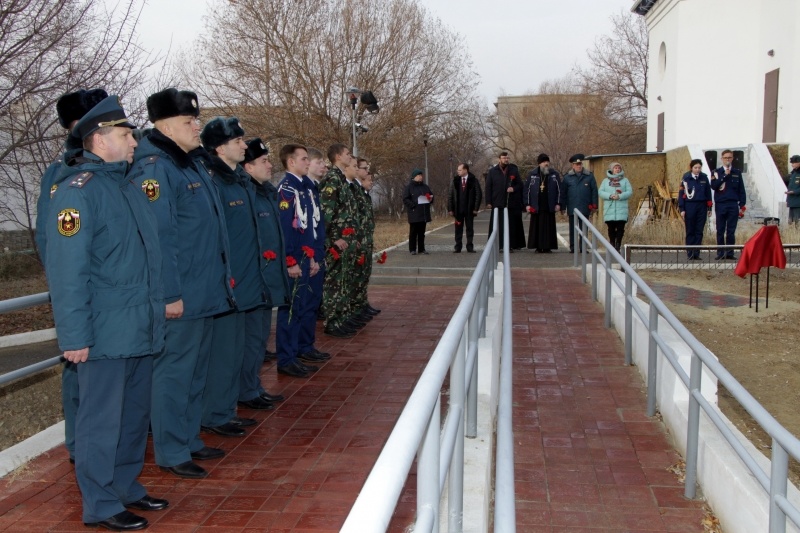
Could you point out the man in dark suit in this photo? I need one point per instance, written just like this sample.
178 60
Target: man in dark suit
504 189
463 203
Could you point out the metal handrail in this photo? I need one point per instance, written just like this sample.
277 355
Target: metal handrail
419 432
505 500
784 444
16 304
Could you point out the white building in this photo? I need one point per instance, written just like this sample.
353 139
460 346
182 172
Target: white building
722 72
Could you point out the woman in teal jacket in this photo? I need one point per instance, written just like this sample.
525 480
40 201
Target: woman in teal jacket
615 191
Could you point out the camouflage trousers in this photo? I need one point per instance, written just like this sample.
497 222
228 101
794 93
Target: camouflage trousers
361 280
336 290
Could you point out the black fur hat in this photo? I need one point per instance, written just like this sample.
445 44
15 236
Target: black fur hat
255 149
72 106
542 158
172 103
220 130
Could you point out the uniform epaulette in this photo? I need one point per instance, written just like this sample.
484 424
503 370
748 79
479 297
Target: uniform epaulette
150 160
81 179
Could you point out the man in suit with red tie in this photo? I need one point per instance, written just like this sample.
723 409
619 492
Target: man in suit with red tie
463 203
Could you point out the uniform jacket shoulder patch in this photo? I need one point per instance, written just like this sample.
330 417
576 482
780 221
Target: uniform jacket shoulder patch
69 222
151 189
53 190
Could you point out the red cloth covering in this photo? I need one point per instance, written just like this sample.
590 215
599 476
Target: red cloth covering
764 249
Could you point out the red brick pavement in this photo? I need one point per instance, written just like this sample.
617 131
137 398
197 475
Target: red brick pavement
586 456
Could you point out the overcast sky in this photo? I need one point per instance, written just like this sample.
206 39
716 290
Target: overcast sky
514 44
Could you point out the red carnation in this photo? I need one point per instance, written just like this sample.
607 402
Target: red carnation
290 261
269 255
334 252
458 222
709 203
619 191
382 259
428 196
532 210
346 232
513 177
743 209
361 260
232 282
308 251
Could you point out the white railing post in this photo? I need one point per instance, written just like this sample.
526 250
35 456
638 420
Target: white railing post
428 467
455 495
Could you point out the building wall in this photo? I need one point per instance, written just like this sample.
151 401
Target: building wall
711 86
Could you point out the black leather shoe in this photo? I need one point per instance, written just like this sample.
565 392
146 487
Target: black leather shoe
324 355
269 356
373 309
425 252
295 369
124 521
413 253
226 430
257 403
188 470
71 461
334 331
274 398
242 422
731 257
207 452
310 369
354 324
471 250
148 503
310 357
457 251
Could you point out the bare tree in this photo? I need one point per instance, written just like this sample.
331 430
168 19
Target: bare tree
618 71
284 66
48 48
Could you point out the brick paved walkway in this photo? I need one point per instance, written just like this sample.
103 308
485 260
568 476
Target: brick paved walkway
696 298
586 457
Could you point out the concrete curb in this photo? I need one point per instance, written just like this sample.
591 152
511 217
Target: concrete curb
19 454
30 337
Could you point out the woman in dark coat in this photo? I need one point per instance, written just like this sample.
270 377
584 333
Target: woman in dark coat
417 198
543 199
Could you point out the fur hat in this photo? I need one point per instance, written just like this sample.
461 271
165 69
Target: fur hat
612 165
542 158
72 106
172 103
255 149
220 130
416 172
794 159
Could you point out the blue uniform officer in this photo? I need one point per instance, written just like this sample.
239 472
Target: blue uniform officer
70 108
296 211
694 202
104 270
730 202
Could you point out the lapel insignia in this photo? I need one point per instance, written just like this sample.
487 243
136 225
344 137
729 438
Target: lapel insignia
53 190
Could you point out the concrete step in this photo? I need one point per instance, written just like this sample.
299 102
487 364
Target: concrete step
421 276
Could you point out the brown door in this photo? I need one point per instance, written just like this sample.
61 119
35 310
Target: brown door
770 132
660 133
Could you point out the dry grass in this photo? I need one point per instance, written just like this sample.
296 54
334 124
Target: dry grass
673 232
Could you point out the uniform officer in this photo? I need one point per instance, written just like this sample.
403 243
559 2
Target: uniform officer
223 139
258 322
104 270
296 207
307 336
194 245
338 207
580 191
694 202
793 190
729 199
70 108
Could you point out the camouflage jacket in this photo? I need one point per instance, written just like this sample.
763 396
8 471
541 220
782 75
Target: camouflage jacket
338 205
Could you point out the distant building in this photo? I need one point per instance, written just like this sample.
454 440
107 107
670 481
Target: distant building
722 72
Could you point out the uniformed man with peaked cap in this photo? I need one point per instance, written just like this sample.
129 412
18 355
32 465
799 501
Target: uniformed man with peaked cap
104 270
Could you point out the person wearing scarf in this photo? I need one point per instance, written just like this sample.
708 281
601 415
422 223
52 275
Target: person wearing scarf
615 191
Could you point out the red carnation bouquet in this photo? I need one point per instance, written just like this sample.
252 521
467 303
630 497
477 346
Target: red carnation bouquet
382 258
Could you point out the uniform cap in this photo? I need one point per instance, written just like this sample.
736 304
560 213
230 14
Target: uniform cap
107 113
255 149
795 159
172 103
220 130
577 158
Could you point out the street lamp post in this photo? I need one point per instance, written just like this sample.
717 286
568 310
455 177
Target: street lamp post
369 102
425 144
353 104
